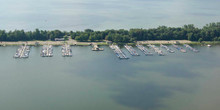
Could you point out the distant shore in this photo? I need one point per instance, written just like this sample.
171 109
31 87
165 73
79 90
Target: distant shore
34 43
73 42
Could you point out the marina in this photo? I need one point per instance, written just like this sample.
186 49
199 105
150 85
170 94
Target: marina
22 52
119 53
131 50
58 55
191 48
167 48
66 75
66 51
157 50
95 47
144 50
179 48
47 51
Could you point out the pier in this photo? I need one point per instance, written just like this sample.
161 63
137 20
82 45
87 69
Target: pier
22 52
144 50
131 50
190 48
95 47
179 48
167 48
157 50
47 51
118 52
66 51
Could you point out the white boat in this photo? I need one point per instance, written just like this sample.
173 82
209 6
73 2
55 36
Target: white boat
168 49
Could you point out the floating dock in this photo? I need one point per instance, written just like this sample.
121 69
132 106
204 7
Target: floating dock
95 47
190 48
157 50
131 50
179 48
118 52
47 51
167 48
144 50
22 52
66 51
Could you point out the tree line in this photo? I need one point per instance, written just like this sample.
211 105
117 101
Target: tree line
21 35
210 32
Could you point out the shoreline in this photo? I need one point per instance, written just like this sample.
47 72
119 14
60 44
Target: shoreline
73 42
55 43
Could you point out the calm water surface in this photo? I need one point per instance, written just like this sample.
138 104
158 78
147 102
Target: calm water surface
100 81
105 14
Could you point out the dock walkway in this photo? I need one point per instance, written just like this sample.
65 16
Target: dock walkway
47 51
131 50
66 51
22 52
144 50
179 48
190 48
167 48
157 50
95 47
118 52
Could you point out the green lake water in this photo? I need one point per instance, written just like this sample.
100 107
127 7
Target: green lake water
100 81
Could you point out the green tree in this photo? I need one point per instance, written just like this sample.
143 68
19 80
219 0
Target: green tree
3 35
66 38
200 40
